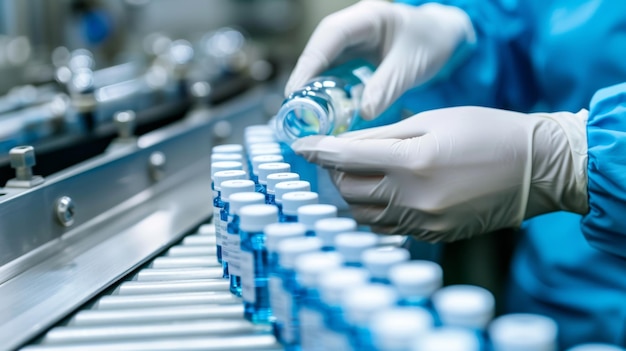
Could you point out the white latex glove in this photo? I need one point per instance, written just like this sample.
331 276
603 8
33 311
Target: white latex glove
452 173
414 43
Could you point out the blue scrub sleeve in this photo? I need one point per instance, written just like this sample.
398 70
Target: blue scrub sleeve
605 224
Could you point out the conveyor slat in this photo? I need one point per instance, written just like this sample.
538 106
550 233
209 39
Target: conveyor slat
116 302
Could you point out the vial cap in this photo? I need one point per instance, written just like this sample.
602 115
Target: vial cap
253 218
416 278
264 151
277 232
464 306
264 145
326 229
226 157
267 158
295 199
310 214
258 129
225 166
378 261
276 178
283 188
266 169
521 331
397 328
311 265
447 339
257 139
361 303
596 347
334 283
223 176
228 149
207 229
239 200
290 249
230 187
352 244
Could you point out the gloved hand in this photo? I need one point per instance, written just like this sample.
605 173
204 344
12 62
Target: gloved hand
452 173
414 44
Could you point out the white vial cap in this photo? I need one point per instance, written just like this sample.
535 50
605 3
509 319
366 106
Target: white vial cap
228 149
253 218
230 187
283 188
264 151
258 139
276 178
520 332
290 249
258 129
352 244
223 176
261 159
310 266
266 169
395 329
295 199
361 303
447 339
416 278
264 145
328 228
239 200
379 260
226 157
596 347
334 283
310 214
225 166
464 306
277 232
207 229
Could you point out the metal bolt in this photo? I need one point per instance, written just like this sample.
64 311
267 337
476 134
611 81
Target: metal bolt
65 211
22 160
157 165
125 122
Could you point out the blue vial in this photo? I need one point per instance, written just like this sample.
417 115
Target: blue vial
260 158
227 189
276 178
465 306
523 331
395 329
283 188
335 334
274 234
309 267
327 229
448 339
294 200
288 251
310 214
359 305
416 281
217 201
237 201
352 244
267 169
254 289
378 261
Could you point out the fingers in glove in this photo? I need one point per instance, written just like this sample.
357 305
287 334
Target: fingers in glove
362 189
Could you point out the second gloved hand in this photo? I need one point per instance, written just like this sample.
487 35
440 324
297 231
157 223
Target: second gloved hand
452 173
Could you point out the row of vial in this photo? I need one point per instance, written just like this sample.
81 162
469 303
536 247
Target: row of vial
326 286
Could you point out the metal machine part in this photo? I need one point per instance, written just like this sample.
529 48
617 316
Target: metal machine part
22 160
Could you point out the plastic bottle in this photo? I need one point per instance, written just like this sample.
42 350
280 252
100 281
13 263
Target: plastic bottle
523 332
254 290
228 188
596 347
352 244
395 329
334 334
309 267
261 158
283 188
378 261
217 201
267 169
288 251
275 233
327 229
415 282
276 178
310 214
465 306
238 201
447 339
294 200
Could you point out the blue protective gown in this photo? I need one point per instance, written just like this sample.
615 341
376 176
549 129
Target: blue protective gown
557 55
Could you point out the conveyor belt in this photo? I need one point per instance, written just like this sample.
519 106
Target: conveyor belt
178 301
